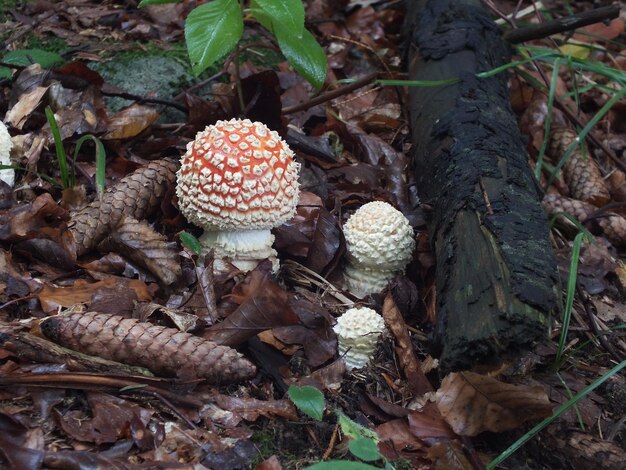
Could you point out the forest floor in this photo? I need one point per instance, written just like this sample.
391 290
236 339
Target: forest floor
120 73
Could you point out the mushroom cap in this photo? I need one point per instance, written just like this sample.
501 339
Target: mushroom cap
357 332
379 237
238 175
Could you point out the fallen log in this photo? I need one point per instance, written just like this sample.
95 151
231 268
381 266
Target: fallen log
496 275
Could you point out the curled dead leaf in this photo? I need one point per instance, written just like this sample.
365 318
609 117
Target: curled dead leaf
131 121
472 403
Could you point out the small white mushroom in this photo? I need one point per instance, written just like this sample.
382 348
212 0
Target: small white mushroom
380 243
8 175
358 330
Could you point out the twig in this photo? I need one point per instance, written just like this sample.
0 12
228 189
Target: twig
560 25
146 99
594 326
330 95
198 85
331 444
97 381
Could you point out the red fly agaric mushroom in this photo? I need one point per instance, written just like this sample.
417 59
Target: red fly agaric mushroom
380 243
238 180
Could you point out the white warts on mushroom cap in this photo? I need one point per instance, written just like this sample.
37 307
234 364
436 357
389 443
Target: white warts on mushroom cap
238 180
8 175
358 330
380 243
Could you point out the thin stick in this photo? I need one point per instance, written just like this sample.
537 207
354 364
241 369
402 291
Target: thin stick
330 95
560 25
331 444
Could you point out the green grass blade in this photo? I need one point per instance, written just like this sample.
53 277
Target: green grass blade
581 228
558 412
581 422
67 181
571 290
52 181
548 122
100 160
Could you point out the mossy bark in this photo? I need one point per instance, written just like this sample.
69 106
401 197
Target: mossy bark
497 280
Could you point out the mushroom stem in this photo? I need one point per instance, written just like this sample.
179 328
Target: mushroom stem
244 249
362 281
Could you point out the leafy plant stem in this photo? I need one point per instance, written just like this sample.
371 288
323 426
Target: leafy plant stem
558 412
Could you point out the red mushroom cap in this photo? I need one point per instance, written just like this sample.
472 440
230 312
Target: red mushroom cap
238 175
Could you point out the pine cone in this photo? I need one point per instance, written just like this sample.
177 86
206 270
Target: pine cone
137 195
580 171
165 351
613 225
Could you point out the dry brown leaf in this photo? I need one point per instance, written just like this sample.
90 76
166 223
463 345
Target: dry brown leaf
131 121
52 297
428 422
265 307
418 382
250 409
28 102
38 219
449 455
149 249
472 403
397 441
109 421
158 313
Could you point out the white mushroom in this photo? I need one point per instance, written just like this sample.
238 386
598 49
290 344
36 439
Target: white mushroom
358 330
8 175
238 180
380 243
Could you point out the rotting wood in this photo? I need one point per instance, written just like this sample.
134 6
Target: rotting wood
32 348
496 274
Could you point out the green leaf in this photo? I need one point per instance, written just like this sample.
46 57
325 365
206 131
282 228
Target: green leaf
262 17
364 449
145 3
304 54
355 430
288 14
212 30
341 465
309 400
191 242
26 57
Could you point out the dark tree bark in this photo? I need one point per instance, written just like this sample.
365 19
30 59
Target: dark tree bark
497 280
